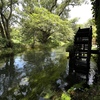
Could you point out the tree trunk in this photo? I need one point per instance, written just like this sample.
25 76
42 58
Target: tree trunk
9 43
5 31
4 22
45 37
1 31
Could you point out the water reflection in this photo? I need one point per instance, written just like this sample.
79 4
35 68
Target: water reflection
11 73
19 62
89 78
7 74
36 75
16 70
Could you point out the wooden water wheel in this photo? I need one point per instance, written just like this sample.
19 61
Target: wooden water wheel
81 53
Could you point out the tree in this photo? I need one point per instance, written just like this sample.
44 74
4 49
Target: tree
96 14
42 25
58 7
74 25
6 9
91 22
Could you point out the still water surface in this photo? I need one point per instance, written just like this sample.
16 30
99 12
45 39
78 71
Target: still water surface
37 75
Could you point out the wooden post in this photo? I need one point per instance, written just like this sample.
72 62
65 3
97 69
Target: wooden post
71 61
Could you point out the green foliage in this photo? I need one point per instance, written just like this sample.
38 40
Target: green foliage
41 25
91 22
41 13
69 46
6 13
74 25
65 96
18 48
2 42
57 7
16 35
44 26
4 52
98 27
6 5
96 13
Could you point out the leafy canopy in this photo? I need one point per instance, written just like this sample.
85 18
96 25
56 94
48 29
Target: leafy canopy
44 24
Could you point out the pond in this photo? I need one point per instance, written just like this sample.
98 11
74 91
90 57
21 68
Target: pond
37 75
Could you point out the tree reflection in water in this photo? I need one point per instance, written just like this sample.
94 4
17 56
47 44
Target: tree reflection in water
34 75
7 75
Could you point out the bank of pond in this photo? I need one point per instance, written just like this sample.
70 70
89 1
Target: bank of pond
42 75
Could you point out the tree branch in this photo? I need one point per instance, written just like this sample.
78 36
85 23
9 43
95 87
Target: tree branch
55 3
1 7
10 9
63 6
2 32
